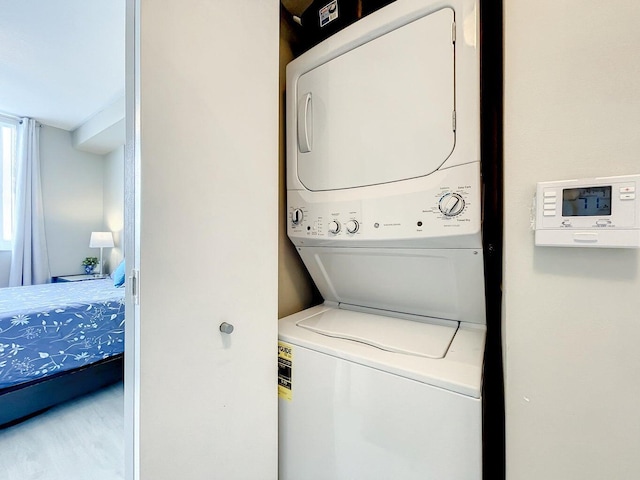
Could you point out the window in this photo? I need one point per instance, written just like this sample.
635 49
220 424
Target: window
7 180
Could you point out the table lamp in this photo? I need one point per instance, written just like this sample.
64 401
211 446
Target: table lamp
101 240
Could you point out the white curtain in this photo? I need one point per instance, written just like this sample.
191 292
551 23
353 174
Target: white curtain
29 258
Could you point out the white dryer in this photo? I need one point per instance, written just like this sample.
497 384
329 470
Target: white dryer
384 207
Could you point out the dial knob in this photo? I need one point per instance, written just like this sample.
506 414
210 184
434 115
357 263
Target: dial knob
334 226
451 204
352 226
297 216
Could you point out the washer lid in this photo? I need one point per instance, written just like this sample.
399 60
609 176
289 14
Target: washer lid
392 334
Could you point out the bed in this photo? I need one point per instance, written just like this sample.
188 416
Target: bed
58 341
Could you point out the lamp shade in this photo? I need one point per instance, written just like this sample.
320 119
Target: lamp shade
101 239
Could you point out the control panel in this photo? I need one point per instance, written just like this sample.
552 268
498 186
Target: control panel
592 212
443 210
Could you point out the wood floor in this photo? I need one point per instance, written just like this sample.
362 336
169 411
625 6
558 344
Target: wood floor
80 440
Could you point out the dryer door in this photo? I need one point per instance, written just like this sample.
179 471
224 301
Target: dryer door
381 112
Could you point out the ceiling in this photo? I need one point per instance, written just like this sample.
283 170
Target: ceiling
61 61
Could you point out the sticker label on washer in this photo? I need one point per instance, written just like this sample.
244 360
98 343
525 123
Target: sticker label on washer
328 13
285 364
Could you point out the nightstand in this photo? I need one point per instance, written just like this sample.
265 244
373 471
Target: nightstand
77 278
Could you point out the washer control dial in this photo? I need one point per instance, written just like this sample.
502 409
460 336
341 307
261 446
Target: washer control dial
297 216
352 226
451 204
334 227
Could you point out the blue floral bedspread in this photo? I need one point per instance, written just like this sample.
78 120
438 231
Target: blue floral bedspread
45 329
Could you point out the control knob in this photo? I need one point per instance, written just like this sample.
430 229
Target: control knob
297 216
451 204
352 226
334 227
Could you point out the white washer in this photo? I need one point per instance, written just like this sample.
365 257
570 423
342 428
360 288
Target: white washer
384 379
360 412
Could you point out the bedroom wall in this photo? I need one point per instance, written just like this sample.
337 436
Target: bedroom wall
113 200
72 191
296 290
571 315
82 192
5 266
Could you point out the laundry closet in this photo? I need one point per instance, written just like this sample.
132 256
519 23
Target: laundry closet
384 207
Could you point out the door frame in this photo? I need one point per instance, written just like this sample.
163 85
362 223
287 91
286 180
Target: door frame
132 242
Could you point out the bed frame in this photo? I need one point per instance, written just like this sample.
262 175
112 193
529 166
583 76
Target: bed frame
23 401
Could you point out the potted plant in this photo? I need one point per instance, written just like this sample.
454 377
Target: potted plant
89 264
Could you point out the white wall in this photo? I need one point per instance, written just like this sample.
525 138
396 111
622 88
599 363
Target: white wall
5 267
113 206
571 316
72 191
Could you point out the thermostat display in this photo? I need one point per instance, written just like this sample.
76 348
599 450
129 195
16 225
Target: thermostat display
590 212
589 202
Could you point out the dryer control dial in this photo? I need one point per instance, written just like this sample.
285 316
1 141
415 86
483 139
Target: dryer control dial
297 216
334 226
352 226
451 204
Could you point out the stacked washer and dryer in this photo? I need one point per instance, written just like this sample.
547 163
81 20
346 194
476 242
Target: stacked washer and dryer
384 379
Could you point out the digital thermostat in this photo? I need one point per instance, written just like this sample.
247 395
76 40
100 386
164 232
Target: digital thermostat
593 212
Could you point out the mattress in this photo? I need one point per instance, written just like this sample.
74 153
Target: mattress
46 329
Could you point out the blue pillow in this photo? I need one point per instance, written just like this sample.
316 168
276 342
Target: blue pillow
118 275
